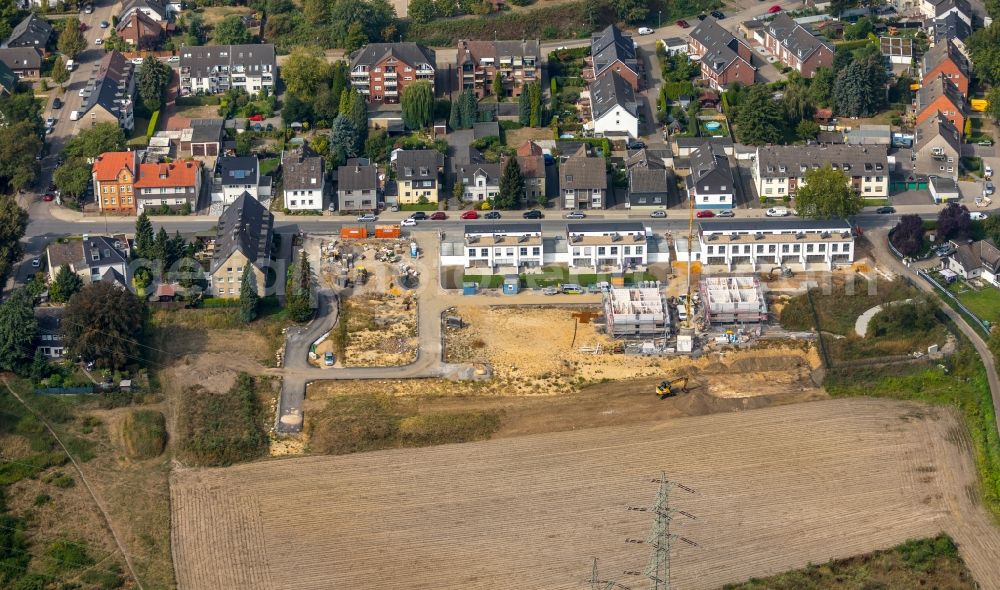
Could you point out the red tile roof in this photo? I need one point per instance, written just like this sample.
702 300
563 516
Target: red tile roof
109 164
167 175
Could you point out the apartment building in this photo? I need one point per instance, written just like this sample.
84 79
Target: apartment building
495 245
381 71
357 186
614 246
417 175
780 170
111 98
244 235
797 47
114 178
945 59
940 95
757 244
583 181
235 175
33 31
517 62
649 180
937 148
724 59
214 69
613 106
711 183
304 181
613 51
174 186
92 258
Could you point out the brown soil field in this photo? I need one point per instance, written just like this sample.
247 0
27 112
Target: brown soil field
776 489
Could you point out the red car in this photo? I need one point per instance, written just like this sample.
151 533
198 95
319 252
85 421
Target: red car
48 197
683 24
470 214
774 9
256 118
704 213
439 216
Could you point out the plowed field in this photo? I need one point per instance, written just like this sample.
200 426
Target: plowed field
777 488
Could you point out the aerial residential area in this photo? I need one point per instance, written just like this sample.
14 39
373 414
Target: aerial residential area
316 294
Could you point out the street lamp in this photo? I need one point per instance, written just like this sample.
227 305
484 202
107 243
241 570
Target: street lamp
659 20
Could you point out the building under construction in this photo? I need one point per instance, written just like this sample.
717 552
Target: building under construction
733 300
639 312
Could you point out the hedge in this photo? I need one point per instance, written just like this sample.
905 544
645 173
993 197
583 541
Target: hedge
153 120
197 101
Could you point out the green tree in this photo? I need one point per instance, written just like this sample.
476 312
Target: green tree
17 331
21 107
72 176
821 86
94 141
19 144
458 189
65 285
859 30
535 96
13 223
860 88
104 323
305 71
524 106
144 240
71 40
827 194
421 11
498 86
511 186
358 114
248 295
993 110
195 30
315 11
631 11
468 109
908 235
343 140
454 118
760 120
355 38
417 105
298 299
59 72
231 31
113 42
954 222
807 130
296 110
154 77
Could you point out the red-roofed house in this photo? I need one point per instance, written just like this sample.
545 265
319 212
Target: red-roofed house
114 177
174 186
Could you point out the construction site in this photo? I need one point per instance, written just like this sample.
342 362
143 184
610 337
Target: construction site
733 300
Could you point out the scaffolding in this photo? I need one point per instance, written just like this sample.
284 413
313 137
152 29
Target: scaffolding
733 299
639 312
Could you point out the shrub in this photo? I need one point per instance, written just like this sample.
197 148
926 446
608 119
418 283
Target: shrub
151 128
145 434
218 429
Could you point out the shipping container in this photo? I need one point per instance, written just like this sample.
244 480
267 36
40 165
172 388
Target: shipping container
386 231
353 233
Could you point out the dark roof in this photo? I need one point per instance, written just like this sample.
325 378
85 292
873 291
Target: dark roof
156 6
202 60
407 52
32 31
21 58
645 174
720 45
245 226
49 323
237 169
206 130
485 129
411 164
794 37
114 277
611 45
945 49
8 79
943 6
983 253
302 172
694 142
710 171
113 81
471 170
583 172
81 253
606 227
935 126
357 177
771 224
934 88
503 228
610 90
859 160
951 26
674 42
944 184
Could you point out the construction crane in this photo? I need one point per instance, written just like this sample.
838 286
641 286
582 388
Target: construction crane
670 388
687 323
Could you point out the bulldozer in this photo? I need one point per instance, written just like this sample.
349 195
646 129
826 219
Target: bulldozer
670 388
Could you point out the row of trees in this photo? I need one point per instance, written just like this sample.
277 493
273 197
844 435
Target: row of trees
953 223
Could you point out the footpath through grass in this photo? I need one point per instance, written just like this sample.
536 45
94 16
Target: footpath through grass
961 383
919 563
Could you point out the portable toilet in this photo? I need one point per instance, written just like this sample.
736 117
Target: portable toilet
511 285
470 288
413 249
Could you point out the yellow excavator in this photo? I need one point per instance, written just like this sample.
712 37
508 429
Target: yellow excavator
670 388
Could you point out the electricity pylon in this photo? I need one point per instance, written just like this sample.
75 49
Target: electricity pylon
660 538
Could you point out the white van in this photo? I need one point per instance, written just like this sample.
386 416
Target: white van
70 65
645 31
74 116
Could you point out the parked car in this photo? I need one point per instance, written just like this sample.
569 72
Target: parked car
99 41
726 213
408 222
550 291
985 142
50 122
885 210
704 213
48 197
978 216
57 103
137 61
533 214
683 24
89 9
988 189
774 9
470 214
702 16
576 215
658 214
635 144
942 251
367 218
83 92
778 212
256 118
328 359
36 262
718 14
492 215
571 289
645 31
439 216
988 171
173 59
419 216
105 24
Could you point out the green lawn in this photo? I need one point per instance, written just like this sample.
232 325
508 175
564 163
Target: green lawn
485 281
268 165
419 207
984 302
